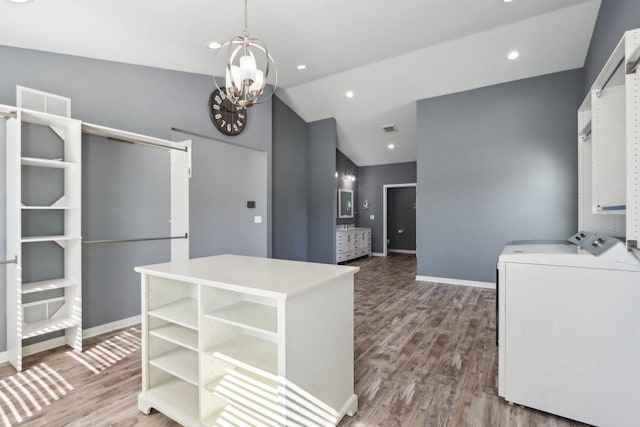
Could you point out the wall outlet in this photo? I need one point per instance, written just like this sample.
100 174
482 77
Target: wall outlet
257 219
372 217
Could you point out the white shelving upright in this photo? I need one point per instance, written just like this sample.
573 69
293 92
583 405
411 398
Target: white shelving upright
609 147
44 314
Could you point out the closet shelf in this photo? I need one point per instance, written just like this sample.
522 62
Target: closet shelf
45 207
255 408
33 239
47 285
250 353
248 315
183 312
45 163
178 394
46 326
177 334
267 388
181 363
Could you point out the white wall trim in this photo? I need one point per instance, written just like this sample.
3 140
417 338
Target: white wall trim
402 251
458 282
377 254
28 350
110 327
87 333
384 211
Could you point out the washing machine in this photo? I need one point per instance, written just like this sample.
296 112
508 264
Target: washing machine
569 329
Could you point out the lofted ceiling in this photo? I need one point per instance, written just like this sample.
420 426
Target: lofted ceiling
389 53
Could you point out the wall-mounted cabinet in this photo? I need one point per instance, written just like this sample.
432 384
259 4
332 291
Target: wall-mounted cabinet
609 146
267 342
44 286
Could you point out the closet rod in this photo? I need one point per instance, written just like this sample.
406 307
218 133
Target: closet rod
611 75
143 239
633 66
92 130
10 261
8 114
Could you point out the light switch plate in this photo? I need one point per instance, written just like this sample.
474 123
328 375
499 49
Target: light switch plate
257 219
372 217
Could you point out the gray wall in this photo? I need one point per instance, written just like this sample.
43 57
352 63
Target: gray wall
495 164
138 99
401 218
345 166
290 183
225 177
615 17
370 182
323 136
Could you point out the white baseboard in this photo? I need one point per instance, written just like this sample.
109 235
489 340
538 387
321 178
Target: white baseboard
87 333
377 254
402 251
109 327
458 282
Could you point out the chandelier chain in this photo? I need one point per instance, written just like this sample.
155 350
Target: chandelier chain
246 20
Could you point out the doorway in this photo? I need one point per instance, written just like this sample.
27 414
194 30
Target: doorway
226 178
399 218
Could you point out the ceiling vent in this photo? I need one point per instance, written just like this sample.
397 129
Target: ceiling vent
389 128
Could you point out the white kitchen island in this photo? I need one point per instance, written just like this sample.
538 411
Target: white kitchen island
235 340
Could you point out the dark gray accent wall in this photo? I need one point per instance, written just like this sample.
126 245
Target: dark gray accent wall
401 218
370 182
615 17
139 99
290 183
344 167
495 164
323 136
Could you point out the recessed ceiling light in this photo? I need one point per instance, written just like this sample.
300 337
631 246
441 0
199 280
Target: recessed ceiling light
391 146
301 67
349 94
214 45
508 1
20 1
514 54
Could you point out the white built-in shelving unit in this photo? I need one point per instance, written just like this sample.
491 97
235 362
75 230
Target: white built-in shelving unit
609 147
55 304
247 341
50 304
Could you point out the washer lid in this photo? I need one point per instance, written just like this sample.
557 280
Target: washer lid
617 258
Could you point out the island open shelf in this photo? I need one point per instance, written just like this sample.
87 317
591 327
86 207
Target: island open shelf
260 340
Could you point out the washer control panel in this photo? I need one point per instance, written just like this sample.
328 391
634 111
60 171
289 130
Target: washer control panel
593 243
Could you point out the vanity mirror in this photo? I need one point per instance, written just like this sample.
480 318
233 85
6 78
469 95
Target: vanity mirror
345 203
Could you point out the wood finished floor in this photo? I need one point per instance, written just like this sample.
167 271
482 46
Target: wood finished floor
425 356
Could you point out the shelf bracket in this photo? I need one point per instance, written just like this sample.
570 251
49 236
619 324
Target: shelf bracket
60 131
10 261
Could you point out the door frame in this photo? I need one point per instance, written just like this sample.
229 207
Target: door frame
385 187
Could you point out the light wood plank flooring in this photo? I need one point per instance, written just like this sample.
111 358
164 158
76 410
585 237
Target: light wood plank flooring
425 356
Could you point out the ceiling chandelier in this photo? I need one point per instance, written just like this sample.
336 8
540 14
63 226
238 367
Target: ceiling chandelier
247 69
